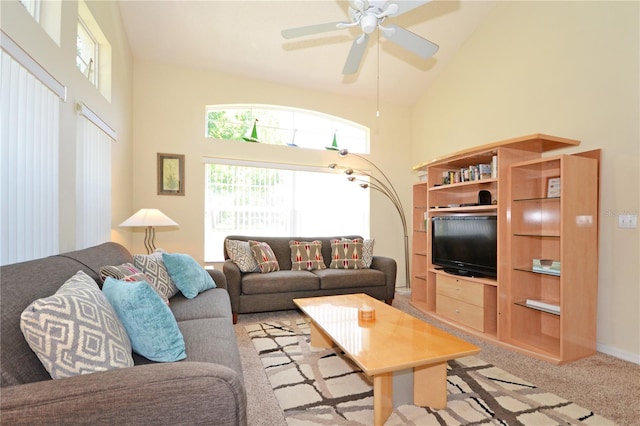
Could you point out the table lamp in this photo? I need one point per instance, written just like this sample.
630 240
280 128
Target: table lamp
149 219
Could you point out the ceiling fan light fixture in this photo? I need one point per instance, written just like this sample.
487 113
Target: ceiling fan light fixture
369 23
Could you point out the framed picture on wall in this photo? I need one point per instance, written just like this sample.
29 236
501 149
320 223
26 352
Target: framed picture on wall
170 174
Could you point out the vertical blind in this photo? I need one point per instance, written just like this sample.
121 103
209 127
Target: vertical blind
93 185
29 135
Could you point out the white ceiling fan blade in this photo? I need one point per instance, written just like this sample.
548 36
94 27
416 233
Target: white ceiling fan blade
404 6
356 53
410 41
312 29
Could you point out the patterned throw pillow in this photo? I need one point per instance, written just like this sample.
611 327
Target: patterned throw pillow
306 255
153 267
367 251
240 254
76 331
263 254
346 254
128 272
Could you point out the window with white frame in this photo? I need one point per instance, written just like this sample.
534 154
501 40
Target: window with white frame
87 53
279 125
33 7
254 199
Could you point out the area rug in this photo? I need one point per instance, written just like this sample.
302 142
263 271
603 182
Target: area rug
323 387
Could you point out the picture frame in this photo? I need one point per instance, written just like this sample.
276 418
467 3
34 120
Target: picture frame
171 174
553 187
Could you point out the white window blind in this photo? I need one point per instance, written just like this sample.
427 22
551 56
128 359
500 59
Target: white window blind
29 134
93 185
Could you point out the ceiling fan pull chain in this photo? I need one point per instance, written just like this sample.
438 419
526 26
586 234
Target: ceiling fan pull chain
378 81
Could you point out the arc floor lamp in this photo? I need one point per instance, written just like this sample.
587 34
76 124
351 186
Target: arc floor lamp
384 186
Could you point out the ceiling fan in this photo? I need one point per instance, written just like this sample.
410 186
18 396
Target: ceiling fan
369 16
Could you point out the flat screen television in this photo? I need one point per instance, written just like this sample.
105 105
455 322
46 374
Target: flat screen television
465 245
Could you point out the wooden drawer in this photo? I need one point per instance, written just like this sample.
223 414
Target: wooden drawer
462 312
460 289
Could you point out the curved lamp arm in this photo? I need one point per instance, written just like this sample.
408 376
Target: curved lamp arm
385 187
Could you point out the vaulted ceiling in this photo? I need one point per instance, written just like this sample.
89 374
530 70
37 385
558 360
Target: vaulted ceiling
243 38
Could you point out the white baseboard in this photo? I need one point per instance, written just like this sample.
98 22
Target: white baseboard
615 352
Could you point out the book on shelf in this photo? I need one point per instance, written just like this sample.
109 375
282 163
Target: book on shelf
543 305
484 171
494 166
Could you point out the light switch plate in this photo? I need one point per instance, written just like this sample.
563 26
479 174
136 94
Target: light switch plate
628 221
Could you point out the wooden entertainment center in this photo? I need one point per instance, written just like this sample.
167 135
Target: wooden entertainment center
546 208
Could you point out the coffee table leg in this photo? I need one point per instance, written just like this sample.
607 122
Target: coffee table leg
382 398
430 386
319 339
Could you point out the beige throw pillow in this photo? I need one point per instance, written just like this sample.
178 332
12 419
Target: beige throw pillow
306 255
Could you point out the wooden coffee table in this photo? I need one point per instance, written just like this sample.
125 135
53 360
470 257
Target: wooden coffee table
393 341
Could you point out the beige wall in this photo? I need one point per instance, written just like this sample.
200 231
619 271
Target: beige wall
59 60
568 69
169 111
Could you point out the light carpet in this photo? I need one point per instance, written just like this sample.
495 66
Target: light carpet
323 387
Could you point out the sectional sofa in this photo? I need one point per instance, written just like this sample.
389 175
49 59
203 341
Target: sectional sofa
205 388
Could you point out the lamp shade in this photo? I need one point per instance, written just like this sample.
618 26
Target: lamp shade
149 217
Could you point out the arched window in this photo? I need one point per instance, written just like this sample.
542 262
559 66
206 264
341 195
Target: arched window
279 125
245 197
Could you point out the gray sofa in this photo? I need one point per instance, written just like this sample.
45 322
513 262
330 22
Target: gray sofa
273 291
205 388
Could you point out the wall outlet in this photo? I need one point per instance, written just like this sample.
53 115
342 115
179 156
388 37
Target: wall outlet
628 221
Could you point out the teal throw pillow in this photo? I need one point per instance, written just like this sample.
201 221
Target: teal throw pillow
187 274
149 322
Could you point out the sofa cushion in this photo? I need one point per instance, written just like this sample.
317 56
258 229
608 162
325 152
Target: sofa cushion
240 253
263 254
306 255
187 274
76 330
153 266
127 272
279 282
212 340
346 254
212 303
149 322
341 278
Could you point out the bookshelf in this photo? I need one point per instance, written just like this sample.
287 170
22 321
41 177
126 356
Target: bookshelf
493 308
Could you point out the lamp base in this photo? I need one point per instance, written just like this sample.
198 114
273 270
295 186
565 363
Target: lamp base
149 237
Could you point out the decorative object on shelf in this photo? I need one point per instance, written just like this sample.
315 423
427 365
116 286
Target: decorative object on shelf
553 187
385 187
546 266
334 144
170 174
149 219
293 139
254 133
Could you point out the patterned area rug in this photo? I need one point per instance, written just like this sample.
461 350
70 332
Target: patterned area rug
322 387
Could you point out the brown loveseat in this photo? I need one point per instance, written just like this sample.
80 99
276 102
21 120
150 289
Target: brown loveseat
205 388
273 291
